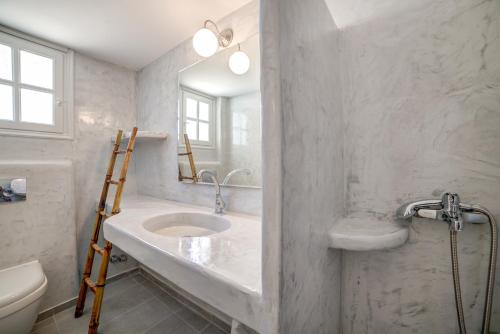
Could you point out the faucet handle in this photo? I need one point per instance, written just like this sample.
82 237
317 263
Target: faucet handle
452 212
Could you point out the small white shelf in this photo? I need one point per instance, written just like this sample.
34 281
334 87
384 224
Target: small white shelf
144 136
367 233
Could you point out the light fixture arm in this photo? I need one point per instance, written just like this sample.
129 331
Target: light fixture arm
224 37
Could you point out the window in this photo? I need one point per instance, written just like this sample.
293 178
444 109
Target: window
240 128
35 88
198 118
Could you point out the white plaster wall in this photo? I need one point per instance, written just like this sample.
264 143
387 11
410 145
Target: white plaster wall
272 193
105 97
241 154
42 227
311 109
157 108
104 101
422 115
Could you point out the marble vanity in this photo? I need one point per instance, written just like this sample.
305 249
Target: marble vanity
221 266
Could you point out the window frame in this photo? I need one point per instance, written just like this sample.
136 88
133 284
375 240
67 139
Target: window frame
212 122
62 87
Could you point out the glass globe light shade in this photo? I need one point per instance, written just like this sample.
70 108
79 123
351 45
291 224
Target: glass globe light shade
205 42
239 63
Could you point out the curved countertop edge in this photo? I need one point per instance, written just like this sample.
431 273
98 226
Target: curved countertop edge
232 301
205 271
362 237
238 301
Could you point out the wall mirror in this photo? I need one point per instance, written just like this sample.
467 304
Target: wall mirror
220 119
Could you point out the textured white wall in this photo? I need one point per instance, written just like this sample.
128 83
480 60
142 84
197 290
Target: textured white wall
157 108
104 101
422 115
43 226
420 90
311 109
242 153
272 194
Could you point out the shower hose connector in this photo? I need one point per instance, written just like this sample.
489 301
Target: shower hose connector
450 210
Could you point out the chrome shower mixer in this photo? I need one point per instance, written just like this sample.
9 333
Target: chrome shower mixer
450 210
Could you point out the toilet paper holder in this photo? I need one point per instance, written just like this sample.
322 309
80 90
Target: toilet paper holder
12 189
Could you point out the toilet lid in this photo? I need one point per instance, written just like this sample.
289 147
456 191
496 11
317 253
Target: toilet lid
19 281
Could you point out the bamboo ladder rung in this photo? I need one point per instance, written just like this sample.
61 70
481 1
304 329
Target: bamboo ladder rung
104 214
97 248
113 182
92 286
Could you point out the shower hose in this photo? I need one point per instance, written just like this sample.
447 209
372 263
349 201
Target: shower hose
491 271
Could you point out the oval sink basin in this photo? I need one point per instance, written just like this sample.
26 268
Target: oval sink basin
186 224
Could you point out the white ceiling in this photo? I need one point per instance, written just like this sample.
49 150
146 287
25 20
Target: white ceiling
347 13
131 33
212 76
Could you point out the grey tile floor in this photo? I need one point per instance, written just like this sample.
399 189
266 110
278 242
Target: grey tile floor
132 305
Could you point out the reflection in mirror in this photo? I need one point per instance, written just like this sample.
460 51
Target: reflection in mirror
220 115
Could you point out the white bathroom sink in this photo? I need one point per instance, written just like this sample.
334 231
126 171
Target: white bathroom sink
186 224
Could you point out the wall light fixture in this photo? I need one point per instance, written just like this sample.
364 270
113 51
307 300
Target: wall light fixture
206 41
239 63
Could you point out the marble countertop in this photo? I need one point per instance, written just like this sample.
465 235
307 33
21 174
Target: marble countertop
367 233
222 269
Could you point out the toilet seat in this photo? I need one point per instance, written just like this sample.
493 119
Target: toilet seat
20 286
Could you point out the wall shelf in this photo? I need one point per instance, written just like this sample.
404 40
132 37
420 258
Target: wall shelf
144 136
367 233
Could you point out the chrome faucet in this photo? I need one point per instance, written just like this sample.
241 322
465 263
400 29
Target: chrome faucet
448 209
219 202
244 171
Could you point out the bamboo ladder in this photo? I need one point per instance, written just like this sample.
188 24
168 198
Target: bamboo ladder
189 153
98 287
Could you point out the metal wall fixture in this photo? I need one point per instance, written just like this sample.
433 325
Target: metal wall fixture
12 190
118 258
450 210
206 41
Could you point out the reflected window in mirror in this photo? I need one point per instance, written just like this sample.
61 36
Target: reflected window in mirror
240 128
198 118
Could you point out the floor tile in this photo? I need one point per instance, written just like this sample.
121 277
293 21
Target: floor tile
196 321
119 286
132 304
113 306
68 324
169 301
40 324
123 302
141 317
172 325
150 285
212 329
47 329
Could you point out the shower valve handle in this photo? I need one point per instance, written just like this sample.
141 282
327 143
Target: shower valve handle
451 211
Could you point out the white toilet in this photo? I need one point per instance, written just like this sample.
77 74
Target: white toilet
21 289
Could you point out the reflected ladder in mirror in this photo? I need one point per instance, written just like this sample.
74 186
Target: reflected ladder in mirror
189 154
